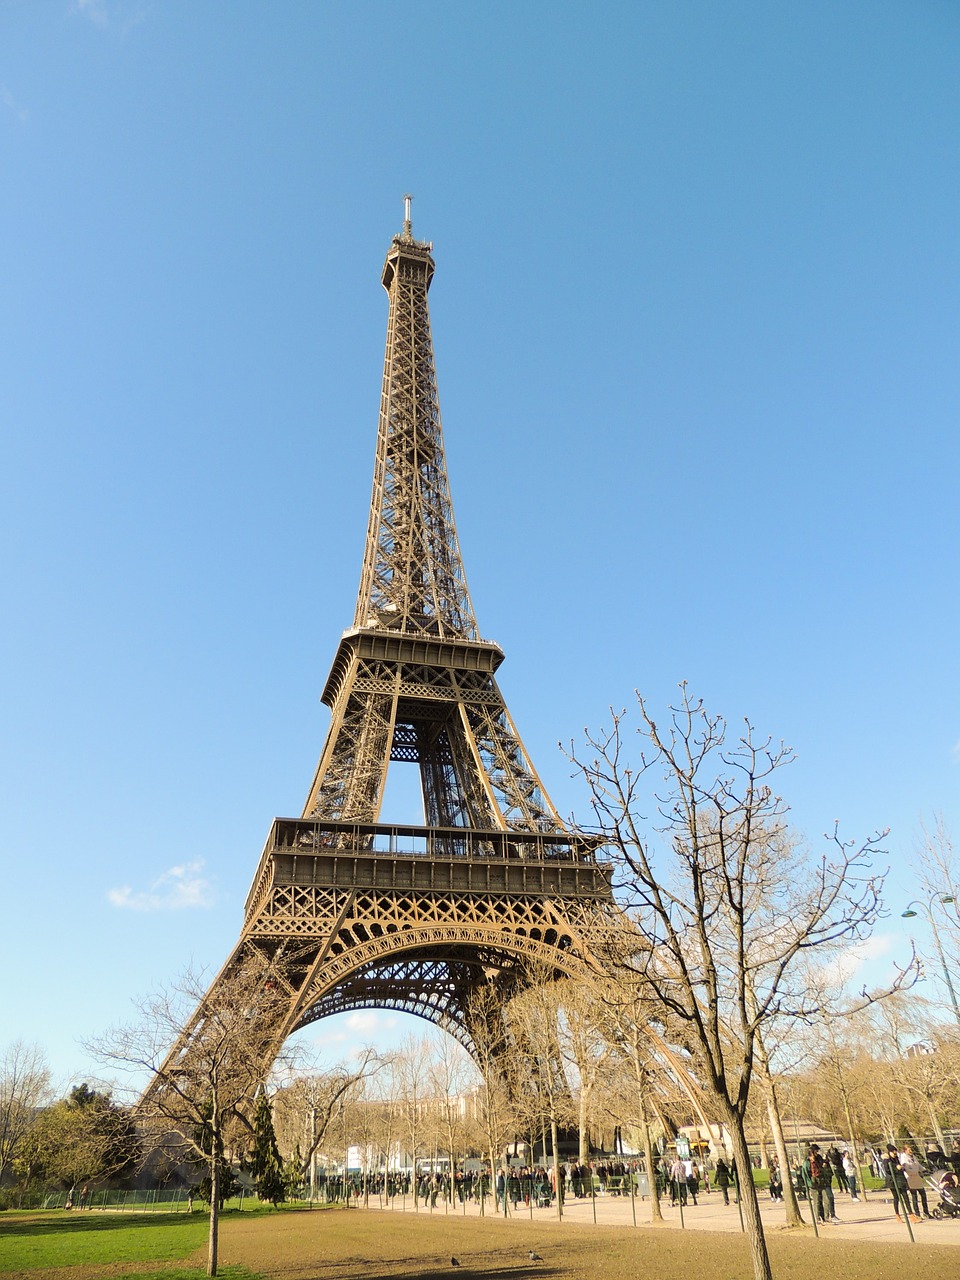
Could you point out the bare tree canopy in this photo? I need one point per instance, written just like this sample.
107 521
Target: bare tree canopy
201 1099
24 1089
308 1107
723 900
939 904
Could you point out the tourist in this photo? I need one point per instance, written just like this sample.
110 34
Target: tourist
678 1182
819 1178
693 1179
836 1164
850 1173
915 1184
721 1177
896 1181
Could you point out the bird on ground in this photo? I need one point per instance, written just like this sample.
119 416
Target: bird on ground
454 1262
534 1256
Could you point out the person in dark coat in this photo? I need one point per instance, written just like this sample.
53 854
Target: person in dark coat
693 1180
896 1180
721 1178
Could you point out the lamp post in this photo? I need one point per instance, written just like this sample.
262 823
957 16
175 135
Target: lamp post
944 899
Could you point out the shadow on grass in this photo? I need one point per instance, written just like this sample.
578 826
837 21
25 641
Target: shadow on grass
58 1223
40 1222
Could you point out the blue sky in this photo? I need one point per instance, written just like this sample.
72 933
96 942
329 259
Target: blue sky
696 320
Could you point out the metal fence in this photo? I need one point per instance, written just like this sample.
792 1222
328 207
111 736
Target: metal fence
159 1200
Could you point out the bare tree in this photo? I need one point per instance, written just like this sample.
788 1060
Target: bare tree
939 880
200 1101
490 1053
586 1048
922 1064
772 1098
451 1076
385 1128
24 1090
723 900
310 1105
411 1073
653 1081
540 1086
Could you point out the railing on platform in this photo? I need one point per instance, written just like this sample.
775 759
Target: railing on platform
306 835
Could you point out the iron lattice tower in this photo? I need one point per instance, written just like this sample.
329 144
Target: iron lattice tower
351 913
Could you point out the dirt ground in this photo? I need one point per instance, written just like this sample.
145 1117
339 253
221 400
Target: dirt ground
364 1246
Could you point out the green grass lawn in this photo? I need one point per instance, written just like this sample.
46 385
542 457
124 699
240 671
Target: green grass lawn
32 1241
57 1239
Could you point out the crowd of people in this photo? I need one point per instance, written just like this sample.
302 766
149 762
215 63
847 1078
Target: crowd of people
577 1178
901 1169
818 1177
904 1175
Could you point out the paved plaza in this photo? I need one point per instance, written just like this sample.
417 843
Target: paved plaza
870 1218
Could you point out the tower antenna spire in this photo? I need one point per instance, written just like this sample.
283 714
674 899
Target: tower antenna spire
407 223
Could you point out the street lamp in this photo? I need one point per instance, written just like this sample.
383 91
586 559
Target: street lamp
944 899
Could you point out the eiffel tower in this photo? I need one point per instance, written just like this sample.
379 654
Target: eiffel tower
350 913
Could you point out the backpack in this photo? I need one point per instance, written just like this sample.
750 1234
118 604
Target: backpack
816 1167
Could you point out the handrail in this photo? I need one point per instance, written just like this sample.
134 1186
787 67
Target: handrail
312 835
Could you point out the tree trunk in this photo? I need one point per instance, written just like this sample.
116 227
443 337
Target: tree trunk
938 1132
790 1205
583 1153
313 1152
853 1136
214 1240
556 1166
748 1192
854 1153
656 1213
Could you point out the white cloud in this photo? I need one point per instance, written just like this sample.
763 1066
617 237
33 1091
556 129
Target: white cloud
362 1021
343 1037
119 16
9 101
179 887
854 957
95 11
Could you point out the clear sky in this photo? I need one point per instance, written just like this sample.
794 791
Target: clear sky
696 322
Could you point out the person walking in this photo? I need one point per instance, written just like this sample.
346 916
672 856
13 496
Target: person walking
721 1178
850 1173
836 1164
819 1179
678 1182
896 1181
693 1179
915 1185
826 1184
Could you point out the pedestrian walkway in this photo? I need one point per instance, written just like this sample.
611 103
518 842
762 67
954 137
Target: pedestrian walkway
867 1219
